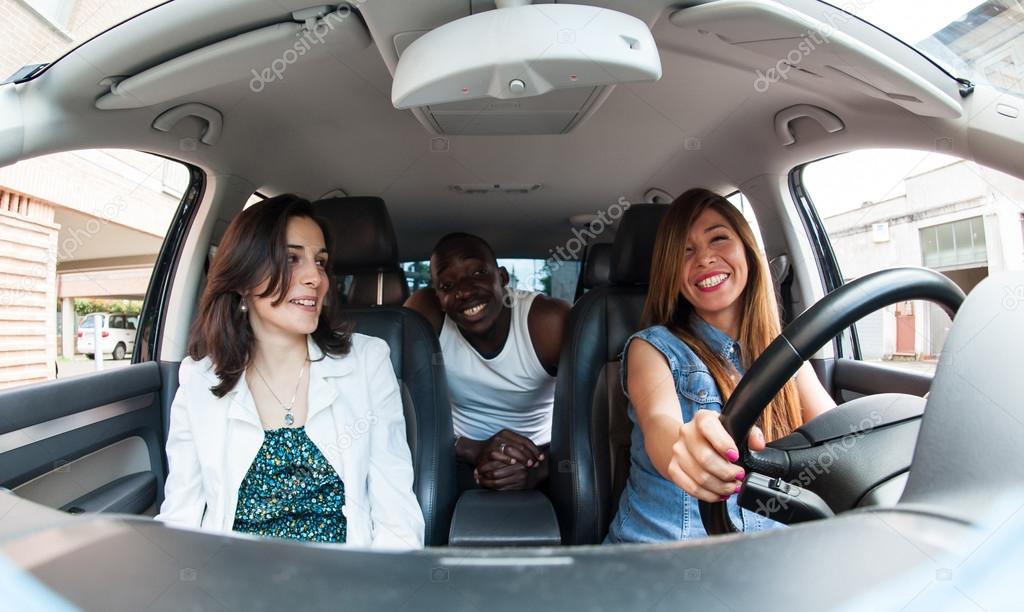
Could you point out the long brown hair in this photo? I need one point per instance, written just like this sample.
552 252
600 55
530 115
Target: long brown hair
255 249
665 304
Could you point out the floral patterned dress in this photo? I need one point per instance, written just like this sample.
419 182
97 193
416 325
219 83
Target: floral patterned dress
291 491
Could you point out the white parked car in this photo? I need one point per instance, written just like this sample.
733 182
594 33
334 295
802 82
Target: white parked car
117 334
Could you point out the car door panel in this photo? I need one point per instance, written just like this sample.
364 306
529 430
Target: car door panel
69 440
852 379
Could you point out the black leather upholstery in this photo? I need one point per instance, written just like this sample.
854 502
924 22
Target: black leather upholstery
394 290
590 431
596 268
362 236
415 355
634 243
504 518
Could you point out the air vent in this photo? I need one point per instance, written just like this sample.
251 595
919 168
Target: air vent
481 188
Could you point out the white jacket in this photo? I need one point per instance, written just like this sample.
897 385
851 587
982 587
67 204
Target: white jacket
355 418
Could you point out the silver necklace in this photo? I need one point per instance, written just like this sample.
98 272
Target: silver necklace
288 418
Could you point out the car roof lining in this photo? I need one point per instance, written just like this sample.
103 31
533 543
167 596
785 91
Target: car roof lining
328 123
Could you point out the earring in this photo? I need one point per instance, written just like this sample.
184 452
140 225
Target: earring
243 307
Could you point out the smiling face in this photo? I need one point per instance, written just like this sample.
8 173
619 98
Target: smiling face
299 312
714 270
469 284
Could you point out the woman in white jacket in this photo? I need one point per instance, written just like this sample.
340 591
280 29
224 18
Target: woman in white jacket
285 424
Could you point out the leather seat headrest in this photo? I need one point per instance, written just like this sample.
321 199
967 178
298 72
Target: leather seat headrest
393 289
361 232
634 244
598 266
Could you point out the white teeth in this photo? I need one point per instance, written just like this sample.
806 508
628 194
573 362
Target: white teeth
304 302
472 311
713 281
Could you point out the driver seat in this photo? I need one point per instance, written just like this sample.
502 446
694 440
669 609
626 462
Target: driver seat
590 435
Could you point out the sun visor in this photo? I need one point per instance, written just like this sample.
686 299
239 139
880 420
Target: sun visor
780 39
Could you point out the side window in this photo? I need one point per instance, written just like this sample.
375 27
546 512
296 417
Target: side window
888 208
556 279
79 234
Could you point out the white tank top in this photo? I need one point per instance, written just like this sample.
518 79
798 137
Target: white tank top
511 391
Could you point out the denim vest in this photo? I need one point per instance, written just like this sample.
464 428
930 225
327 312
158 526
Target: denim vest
651 508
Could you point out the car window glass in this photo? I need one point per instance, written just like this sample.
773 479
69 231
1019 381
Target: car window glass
80 232
888 208
553 278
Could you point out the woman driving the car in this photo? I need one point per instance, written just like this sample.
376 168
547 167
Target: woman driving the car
710 312
285 424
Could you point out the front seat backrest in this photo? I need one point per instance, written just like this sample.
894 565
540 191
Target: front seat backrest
591 430
597 268
363 242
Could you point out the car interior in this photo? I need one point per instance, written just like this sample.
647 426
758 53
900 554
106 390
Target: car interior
367 118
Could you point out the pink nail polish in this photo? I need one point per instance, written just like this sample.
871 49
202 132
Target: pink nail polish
739 488
741 476
732 455
724 498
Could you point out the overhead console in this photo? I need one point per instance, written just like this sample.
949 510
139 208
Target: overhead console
521 68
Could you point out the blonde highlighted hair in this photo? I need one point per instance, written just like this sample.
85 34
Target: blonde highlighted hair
759 326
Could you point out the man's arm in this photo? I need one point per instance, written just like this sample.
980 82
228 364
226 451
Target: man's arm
548 320
426 303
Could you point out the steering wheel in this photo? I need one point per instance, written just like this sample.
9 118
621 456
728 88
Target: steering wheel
797 343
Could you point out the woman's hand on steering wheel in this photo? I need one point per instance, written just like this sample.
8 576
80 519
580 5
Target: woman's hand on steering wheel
703 458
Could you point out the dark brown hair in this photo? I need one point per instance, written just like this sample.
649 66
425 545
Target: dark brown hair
255 249
760 325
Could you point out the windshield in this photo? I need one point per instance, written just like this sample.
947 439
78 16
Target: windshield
978 40
54 27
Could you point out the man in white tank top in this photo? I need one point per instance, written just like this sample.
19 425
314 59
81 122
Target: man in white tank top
501 349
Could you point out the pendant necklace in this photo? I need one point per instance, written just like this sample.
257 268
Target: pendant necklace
288 418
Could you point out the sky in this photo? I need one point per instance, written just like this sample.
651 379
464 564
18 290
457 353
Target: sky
908 20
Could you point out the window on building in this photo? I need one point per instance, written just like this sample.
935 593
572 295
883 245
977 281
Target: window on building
954 244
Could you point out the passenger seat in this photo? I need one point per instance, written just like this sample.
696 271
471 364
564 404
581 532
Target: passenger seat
597 264
364 245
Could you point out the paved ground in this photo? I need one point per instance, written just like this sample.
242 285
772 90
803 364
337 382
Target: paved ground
83 365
